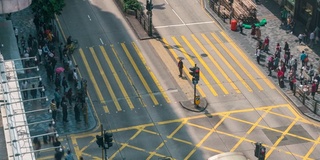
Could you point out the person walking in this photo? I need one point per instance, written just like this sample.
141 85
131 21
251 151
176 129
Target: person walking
24 87
41 89
33 91
311 37
301 38
69 155
53 108
57 98
64 84
280 76
64 110
180 67
77 111
16 33
313 89
57 81
258 52
36 146
51 130
69 96
240 26
270 65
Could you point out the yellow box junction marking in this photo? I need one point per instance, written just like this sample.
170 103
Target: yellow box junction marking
315 144
227 115
226 62
244 56
164 94
282 136
237 61
206 82
184 68
115 75
93 80
250 130
206 137
216 64
144 82
225 91
105 79
127 75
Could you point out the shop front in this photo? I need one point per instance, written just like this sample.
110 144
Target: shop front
307 12
289 6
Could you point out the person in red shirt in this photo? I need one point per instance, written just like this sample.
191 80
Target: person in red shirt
266 44
280 78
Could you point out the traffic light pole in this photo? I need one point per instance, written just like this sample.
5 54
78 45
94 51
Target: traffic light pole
101 127
194 94
105 149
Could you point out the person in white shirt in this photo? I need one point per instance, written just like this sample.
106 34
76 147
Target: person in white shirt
311 39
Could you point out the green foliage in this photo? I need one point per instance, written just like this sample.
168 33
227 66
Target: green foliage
47 8
132 5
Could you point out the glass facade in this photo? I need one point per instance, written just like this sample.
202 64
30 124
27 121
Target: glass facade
306 10
289 4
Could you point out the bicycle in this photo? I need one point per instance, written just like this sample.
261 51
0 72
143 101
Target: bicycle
73 46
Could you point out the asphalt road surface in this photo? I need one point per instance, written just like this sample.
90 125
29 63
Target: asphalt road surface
136 92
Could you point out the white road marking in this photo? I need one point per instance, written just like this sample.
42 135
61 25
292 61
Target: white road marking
188 24
101 41
166 1
178 16
89 17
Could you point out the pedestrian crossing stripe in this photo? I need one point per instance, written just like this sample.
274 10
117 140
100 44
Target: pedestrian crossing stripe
105 79
180 48
93 80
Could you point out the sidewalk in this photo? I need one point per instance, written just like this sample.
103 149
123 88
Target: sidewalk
271 11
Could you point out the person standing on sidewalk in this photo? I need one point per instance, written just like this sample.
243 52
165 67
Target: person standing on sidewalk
53 108
64 84
312 37
180 67
313 89
57 97
77 111
64 110
41 89
258 52
33 91
16 33
24 86
69 96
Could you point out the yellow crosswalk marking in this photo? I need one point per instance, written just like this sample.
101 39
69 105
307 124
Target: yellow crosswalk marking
115 75
216 64
93 80
237 61
226 62
206 82
105 79
262 75
184 68
127 74
144 82
225 91
164 94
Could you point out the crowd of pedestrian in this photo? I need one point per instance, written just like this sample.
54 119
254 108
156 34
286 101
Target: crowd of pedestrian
40 51
293 68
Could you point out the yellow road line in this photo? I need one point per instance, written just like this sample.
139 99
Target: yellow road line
76 148
315 144
144 82
206 137
182 141
206 82
127 74
280 139
184 68
105 79
243 55
164 94
211 149
151 132
237 61
115 75
225 91
93 80
178 128
250 130
226 62
154 152
87 145
215 63
91 156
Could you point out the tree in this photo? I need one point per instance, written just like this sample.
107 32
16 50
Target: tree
132 5
47 8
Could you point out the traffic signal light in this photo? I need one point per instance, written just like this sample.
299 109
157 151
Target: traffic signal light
197 73
108 139
149 5
260 151
99 141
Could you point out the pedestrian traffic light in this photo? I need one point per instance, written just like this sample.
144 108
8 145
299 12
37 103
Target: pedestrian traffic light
195 73
108 139
99 141
260 151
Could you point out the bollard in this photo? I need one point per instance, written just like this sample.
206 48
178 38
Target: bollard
315 107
